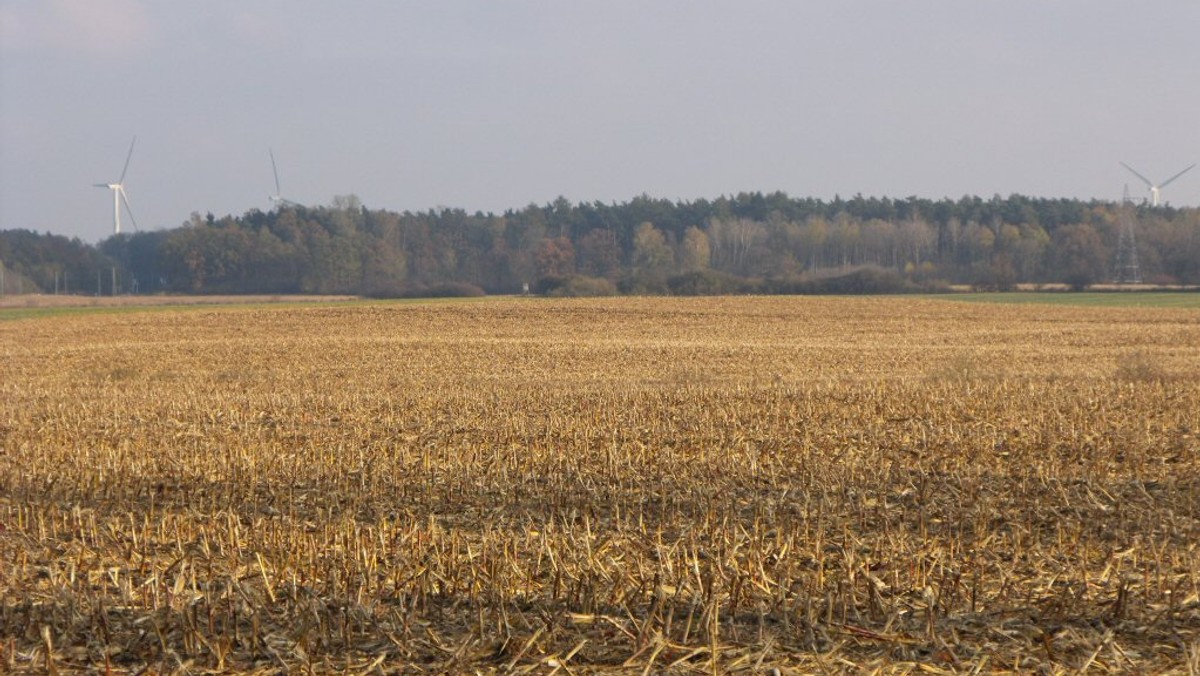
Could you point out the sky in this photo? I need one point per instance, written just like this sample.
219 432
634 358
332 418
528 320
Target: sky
489 105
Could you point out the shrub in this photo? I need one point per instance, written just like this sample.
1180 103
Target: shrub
867 279
706 283
575 286
581 285
643 285
547 284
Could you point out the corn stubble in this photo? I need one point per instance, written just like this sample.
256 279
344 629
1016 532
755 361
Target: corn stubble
574 487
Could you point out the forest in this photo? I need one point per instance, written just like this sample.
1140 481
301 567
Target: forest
747 243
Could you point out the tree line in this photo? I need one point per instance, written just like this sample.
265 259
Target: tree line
751 242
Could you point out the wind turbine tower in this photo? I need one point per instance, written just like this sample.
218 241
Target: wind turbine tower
278 196
119 196
1156 190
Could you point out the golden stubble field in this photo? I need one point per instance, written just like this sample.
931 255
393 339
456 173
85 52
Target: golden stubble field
800 485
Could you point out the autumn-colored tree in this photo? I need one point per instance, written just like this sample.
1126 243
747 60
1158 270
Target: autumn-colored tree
555 258
652 258
694 250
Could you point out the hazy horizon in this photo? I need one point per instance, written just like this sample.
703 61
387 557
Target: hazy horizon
490 106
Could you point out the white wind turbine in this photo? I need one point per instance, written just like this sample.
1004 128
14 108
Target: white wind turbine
1155 190
119 196
278 196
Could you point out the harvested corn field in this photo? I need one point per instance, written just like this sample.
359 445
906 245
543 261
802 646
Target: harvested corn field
800 485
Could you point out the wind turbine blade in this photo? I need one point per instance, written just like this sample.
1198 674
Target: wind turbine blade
1133 171
275 171
1164 183
127 158
128 209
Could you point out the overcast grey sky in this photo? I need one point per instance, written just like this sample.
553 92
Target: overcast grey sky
489 105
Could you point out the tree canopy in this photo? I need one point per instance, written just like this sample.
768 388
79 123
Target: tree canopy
748 241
